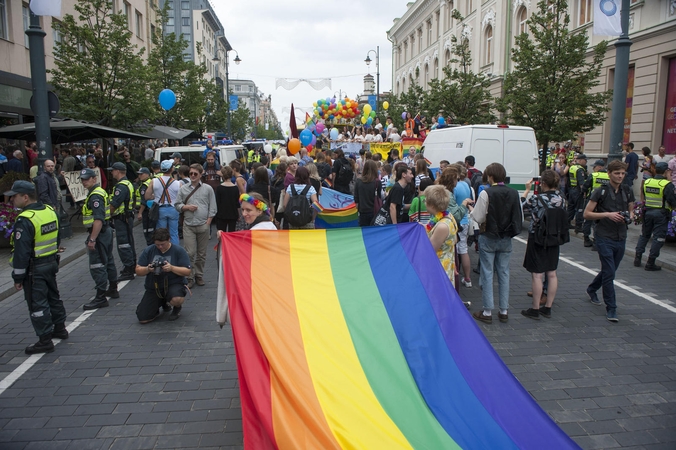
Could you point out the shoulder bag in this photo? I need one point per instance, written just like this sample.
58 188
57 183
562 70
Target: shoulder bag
181 218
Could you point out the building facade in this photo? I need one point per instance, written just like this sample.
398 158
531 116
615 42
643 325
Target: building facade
421 47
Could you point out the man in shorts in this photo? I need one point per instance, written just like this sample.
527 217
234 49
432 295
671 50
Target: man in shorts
165 267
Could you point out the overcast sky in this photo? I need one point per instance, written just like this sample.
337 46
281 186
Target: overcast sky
323 39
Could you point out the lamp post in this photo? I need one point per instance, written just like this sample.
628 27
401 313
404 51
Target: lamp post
620 86
368 63
228 49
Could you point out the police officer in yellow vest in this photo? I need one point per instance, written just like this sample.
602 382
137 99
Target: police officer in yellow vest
121 211
35 244
660 200
143 216
599 177
96 218
577 175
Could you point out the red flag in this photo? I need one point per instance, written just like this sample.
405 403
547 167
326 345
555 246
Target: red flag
292 124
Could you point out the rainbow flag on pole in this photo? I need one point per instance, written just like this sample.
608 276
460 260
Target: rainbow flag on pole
337 350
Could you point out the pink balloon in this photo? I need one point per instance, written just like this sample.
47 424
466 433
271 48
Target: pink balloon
320 128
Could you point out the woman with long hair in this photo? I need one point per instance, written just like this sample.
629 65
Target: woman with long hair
366 189
227 202
315 179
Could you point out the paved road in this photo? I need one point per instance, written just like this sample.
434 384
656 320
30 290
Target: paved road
117 384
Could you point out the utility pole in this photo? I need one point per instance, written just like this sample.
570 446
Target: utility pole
620 86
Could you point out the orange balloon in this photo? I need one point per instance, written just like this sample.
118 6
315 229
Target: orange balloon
294 146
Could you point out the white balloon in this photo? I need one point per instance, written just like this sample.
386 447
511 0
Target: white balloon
267 148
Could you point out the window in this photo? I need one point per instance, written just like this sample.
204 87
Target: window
447 58
238 88
3 19
187 37
26 23
170 4
403 84
56 33
427 76
185 21
398 91
420 35
521 18
170 21
488 51
585 8
139 23
185 5
449 16
470 6
250 88
127 14
435 74
403 61
429 33
187 57
412 39
152 31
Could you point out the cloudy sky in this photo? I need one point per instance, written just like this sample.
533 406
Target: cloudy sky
324 39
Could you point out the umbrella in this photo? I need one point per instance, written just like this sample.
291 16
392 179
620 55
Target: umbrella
162 132
67 131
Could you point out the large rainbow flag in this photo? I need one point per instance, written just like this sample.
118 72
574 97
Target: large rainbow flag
337 350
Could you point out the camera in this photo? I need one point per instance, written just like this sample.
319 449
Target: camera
626 216
157 264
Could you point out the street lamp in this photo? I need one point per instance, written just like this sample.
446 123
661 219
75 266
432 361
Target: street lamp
228 49
368 63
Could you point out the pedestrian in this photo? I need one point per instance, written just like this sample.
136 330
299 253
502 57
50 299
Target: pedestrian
397 203
143 211
122 214
256 212
212 172
442 228
47 185
461 192
35 263
660 201
542 261
498 209
631 160
366 190
612 207
197 202
662 155
16 164
301 186
342 173
165 267
96 218
418 211
227 202
163 191
598 177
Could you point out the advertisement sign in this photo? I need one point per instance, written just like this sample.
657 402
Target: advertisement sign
630 102
669 134
234 102
607 17
75 187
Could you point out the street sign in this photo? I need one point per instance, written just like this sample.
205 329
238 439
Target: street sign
54 104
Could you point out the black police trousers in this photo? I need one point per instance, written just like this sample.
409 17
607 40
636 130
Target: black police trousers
42 295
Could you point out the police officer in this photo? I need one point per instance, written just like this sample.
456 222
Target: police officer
96 218
144 209
178 161
598 177
660 200
35 244
121 211
577 175
156 172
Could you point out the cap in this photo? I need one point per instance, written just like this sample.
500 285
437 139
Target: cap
581 156
166 164
155 164
599 162
177 155
86 174
144 170
119 166
21 187
660 167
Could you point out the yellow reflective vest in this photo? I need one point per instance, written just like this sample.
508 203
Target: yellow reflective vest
88 214
600 179
123 207
572 174
653 190
138 200
46 225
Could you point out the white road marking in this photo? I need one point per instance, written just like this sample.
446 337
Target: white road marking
618 283
10 379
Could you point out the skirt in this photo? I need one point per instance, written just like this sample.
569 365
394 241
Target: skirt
539 259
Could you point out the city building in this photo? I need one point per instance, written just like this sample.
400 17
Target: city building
15 74
421 47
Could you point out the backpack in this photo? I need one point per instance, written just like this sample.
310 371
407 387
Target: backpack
475 180
551 229
345 174
297 210
78 164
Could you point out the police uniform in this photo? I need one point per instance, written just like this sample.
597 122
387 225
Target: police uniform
122 202
577 175
148 225
101 260
34 258
594 180
660 200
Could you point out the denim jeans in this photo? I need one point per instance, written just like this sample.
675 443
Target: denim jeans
610 254
494 255
169 220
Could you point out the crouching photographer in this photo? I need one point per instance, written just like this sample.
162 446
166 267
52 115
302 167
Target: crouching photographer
165 267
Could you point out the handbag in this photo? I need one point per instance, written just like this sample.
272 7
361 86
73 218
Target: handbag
383 216
181 218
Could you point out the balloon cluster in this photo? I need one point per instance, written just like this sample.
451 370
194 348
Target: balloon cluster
369 115
332 108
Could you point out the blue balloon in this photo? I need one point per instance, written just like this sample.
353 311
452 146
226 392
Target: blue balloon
334 134
306 137
167 99
369 121
441 121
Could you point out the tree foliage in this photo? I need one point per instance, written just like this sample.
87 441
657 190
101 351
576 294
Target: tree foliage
99 74
550 88
241 123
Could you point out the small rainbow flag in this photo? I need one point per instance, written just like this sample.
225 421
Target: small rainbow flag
366 355
336 218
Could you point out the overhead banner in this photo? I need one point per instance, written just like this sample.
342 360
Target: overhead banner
75 187
607 17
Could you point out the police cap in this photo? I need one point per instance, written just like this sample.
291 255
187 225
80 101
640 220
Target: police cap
21 187
86 174
661 167
119 166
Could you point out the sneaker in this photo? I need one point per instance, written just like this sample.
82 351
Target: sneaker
479 315
175 313
466 283
593 298
531 313
503 318
546 312
476 271
612 317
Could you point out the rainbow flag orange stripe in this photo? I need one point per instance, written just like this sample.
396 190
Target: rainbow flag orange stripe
366 355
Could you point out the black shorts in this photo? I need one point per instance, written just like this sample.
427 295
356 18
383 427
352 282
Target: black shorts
150 304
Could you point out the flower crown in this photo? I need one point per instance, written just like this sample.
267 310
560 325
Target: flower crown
257 203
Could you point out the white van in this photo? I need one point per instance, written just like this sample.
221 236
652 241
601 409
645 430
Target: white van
193 154
512 146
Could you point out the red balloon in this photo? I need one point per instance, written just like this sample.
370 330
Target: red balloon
309 147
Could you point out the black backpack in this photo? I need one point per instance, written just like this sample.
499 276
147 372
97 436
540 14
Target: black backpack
78 164
345 173
551 229
298 211
475 181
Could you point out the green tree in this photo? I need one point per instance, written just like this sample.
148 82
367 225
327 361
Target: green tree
550 88
241 123
99 74
410 101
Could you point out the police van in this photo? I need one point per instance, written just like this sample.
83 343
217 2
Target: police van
512 146
194 153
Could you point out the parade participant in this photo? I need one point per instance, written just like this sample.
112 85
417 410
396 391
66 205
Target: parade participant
672 167
612 207
35 262
178 161
598 177
212 173
409 159
577 175
143 216
227 201
398 207
661 155
366 189
165 267
342 173
462 192
155 167
256 212
122 213
498 209
47 185
163 191
631 160
96 218
449 179
301 186
660 200
304 157
197 202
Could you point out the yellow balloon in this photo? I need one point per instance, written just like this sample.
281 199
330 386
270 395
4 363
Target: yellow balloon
367 109
315 104
348 104
363 119
386 105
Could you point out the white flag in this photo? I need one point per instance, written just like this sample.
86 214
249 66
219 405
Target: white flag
46 7
607 17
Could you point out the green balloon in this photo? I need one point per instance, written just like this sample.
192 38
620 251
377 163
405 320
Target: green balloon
373 114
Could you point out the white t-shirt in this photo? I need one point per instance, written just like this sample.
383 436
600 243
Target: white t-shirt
377 138
368 138
658 158
149 153
172 190
394 137
267 225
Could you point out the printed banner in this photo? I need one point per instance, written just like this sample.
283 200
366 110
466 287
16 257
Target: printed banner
385 148
234 102
630 103
607 17
75 187
348 147
669 134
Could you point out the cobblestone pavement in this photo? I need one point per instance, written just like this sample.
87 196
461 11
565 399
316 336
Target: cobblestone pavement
116 384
